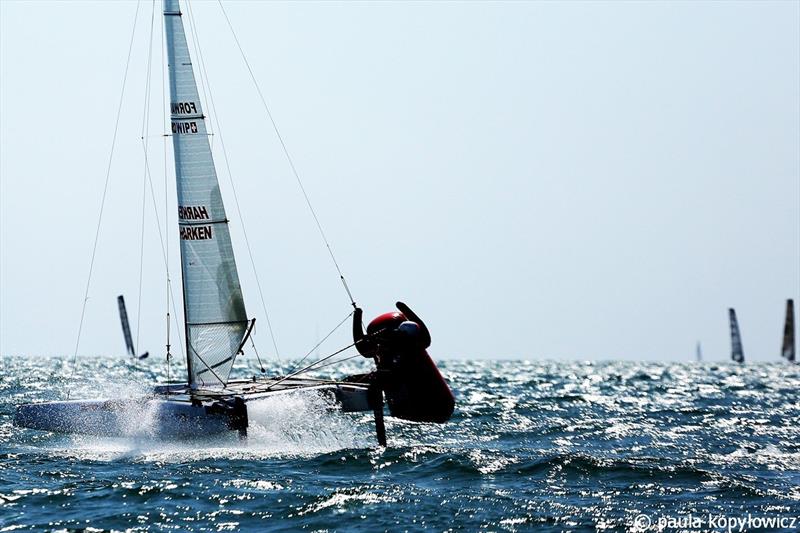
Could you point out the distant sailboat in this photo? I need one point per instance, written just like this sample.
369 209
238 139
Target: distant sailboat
126 329
699 352
788 351
737 353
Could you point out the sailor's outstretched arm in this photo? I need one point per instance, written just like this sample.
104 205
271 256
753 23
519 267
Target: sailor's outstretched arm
365 345
425 339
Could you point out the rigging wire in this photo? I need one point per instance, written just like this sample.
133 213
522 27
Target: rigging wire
105 193
149 181
310 367
164 103
145 131
288 158
164 249
338 361
204 81
322 341
258 357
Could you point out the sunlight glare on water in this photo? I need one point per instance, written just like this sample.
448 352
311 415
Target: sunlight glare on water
544 445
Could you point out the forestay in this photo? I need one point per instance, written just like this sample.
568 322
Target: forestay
216 321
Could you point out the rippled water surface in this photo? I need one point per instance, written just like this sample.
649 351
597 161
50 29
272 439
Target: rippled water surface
533 445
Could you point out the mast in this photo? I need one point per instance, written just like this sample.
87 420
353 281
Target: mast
215 317
737 352
788 349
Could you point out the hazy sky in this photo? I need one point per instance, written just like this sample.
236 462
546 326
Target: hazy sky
567 180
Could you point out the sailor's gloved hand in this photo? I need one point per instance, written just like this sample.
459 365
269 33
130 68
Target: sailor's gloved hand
363 343
403 308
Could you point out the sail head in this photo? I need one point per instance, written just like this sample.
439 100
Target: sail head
216 320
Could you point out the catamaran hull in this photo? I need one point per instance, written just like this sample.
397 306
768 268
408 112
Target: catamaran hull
179 415
120 418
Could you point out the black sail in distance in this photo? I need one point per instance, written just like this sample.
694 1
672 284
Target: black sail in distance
126 328
788 350
737 353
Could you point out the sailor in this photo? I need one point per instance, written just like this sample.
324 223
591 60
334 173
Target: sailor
397 341
390 335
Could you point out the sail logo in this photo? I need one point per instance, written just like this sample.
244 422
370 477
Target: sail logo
196 233
181 128
193 212
183 108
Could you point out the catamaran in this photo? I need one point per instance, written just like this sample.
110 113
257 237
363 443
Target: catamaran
217 325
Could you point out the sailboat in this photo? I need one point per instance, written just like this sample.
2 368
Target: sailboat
217 325
788 350
699 352
126 329
737 353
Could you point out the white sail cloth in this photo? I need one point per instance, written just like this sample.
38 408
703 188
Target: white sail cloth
216 321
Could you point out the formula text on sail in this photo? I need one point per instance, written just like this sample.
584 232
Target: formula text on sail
183 108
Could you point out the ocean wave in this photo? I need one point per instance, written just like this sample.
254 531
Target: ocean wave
546 446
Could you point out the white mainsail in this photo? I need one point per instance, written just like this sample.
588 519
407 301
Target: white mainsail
216 321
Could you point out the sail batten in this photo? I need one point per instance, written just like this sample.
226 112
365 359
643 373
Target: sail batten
216 320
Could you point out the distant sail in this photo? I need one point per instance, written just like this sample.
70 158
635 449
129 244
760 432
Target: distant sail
737 353
699 352
788 350
126 328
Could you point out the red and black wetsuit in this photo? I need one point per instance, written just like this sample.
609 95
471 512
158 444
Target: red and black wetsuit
414 388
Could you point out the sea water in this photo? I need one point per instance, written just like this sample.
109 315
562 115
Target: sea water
533 445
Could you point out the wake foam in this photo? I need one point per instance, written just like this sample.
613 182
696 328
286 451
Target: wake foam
305 422
293 424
